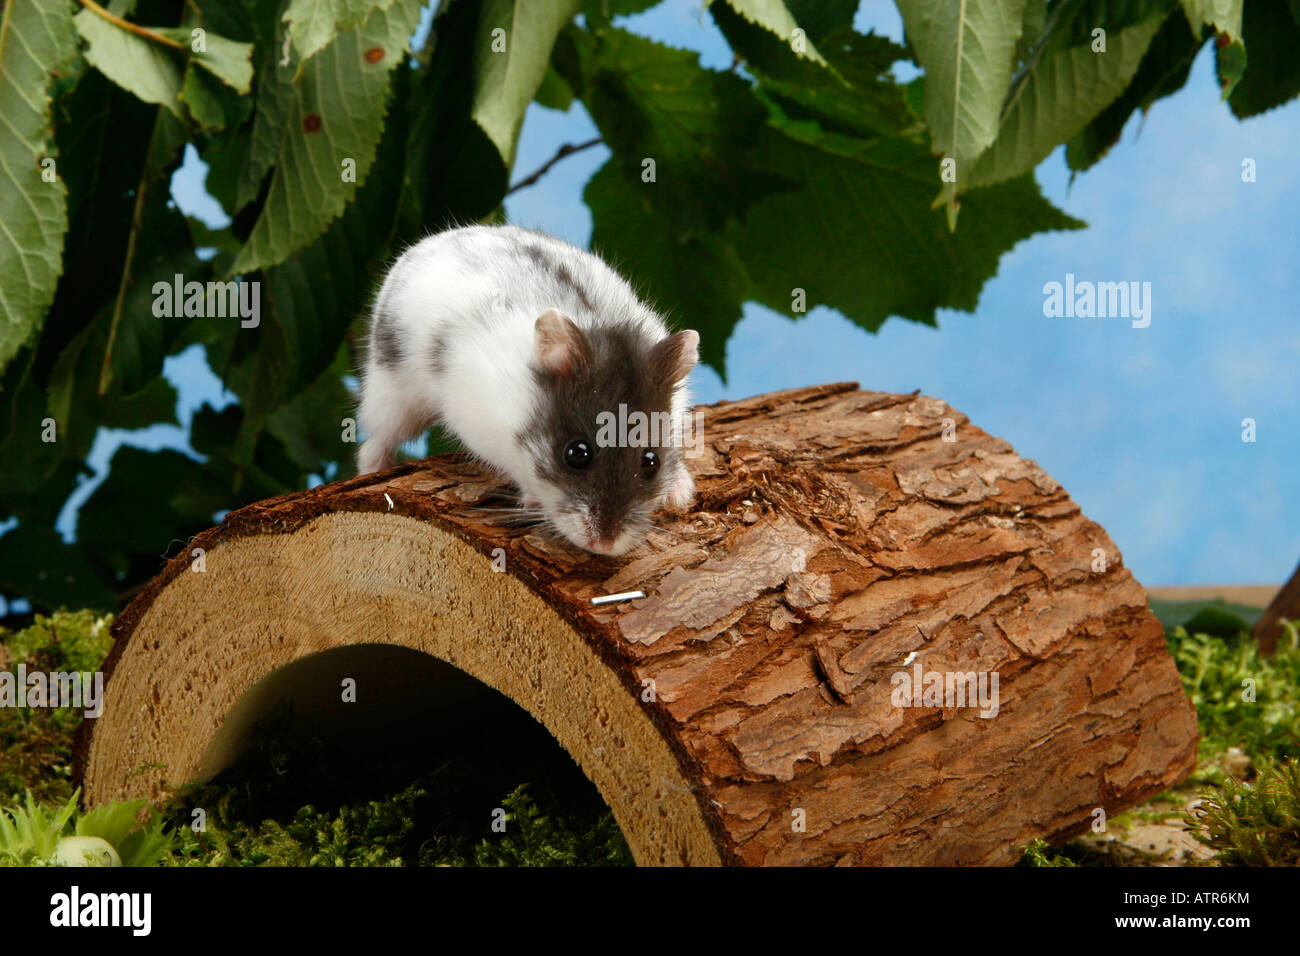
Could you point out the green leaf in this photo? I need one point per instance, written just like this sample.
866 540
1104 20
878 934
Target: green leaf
1272 77
150 502
229 61
967 57
313 23
310 426
201 99
1230 52
859 235
157 249
150 70
37 42
310 301
275 98
820 18
864 100
699 128
555 93
775 17
1163 71
771 54
698 282
335 114
441 185
511 54
1223 15
1057 100
1031 30
37 564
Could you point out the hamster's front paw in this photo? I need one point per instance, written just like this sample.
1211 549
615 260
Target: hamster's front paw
681 493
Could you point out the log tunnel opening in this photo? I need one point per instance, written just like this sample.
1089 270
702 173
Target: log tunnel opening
413 721
183 663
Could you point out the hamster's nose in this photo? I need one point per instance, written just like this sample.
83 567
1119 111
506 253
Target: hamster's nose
603 544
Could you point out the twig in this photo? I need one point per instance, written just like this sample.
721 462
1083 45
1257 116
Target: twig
568 149
131 27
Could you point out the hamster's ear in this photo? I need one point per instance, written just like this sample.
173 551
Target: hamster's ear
673 358
560 345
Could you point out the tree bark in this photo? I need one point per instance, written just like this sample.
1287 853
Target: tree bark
747 711
1285 604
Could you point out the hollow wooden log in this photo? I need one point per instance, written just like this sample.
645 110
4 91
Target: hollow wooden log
749 710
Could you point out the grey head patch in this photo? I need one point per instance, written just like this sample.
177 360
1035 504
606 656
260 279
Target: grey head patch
551 262
613 487
570 284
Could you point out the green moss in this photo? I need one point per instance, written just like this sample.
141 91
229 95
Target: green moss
1221 676
64 641
299 799
1253 824
36 742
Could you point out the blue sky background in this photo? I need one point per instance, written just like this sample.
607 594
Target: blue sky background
1141 426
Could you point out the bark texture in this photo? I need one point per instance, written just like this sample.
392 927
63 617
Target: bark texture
746 711
1285 604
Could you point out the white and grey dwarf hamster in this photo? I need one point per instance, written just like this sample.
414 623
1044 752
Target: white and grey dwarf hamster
521 345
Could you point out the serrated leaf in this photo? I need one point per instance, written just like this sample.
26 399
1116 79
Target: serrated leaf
859 235
150 70
775 17
1057 100
967 56
769 54
336 113
1164 70
864 99
1272 77
699 127
37 41
1223 15
1229 65
698 282
313 23
512 51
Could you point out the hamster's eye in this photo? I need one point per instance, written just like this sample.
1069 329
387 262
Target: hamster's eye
649 464
577 453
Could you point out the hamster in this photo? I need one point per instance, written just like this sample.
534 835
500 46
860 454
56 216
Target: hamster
522 346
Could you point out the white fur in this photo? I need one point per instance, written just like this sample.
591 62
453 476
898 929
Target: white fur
468 288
